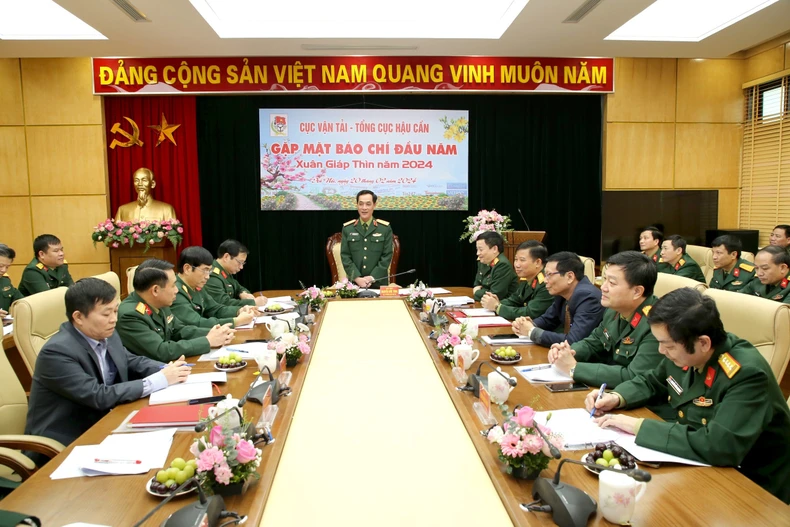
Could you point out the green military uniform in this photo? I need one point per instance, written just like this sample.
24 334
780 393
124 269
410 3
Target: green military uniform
8 293
498 277
732 413
531 299
779 292
225 289
618 349
367 251
195 308
656 259
735 280
686 266
37 277
158 334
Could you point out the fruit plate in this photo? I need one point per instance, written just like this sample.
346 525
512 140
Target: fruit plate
505 362
231 370
152 493
284 309
587 458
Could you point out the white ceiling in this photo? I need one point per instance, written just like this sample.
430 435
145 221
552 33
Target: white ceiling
177 30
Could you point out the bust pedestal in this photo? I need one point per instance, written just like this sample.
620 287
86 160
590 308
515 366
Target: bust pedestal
124 257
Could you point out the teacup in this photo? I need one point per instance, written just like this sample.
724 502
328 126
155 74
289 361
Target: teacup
277 328
498 386
617 496
469 355
266 358
230 420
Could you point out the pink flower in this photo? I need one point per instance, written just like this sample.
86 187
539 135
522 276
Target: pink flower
135 236
179 230
532 443
245 452
210 457
442 340
222 473
124 240
119 232
454 329
304 348
138 229
194 449
115 245
101 228
468 340
216 437
509 445
495 434
152 241
160 234
524 416
455 340
271 345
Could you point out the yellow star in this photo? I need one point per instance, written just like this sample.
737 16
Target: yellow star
165 130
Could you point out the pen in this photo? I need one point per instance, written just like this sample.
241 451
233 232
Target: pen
237 350
600 396
163 366
535 368
119 461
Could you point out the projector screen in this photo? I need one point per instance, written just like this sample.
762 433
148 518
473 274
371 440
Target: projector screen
318 159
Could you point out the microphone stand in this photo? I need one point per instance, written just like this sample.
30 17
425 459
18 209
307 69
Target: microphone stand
474 381
241 429
366 293
257 393
211 507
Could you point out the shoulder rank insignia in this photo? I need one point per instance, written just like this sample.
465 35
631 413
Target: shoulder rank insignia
496 261
680 264
784 283
635 320
646 310
350 222
383 222
184 287
703 401
541 277
729 365
710 376
5 274
736 272
746 267
40 265
141 308
215 270
628 340
169 319
65 262
660 260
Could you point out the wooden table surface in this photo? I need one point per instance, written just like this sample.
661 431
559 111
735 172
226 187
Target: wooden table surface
677 495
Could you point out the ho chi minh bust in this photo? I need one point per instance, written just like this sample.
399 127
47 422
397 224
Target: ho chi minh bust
146 207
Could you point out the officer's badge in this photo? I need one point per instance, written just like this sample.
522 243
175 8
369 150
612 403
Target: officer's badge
736 272
354 233
729 365
224 275
635 320
703 401
169 319
377 234
7 288
710 377
534 282
496 261
675 385
628 340
737 283
784 283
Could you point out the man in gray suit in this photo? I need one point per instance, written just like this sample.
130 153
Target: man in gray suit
84 371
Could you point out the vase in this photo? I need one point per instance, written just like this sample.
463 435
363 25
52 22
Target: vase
525 473
234 489
291 360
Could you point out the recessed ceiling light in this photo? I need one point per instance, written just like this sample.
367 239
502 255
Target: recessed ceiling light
466 19
42 20
686 20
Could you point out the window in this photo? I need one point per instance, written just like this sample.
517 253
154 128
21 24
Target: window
765 165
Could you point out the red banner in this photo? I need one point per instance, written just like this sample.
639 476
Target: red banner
175 76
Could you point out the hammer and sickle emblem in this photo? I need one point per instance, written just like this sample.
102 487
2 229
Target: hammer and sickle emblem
133 138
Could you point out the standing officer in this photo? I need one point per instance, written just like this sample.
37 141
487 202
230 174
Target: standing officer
773 275
8 293
732 273
48 270
366 244
673 254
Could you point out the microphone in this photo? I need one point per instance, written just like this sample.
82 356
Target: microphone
290 328
522 218
570 506
474 382
370 294
555 452
257 393
200 427
208 508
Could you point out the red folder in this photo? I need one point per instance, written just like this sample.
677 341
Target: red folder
158 416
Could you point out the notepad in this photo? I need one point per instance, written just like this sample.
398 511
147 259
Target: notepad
488 322
517 341
543 374
455 301
628 442
478 312
162 416
179 393
579 431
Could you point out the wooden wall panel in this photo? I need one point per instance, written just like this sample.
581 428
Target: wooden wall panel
66 160
707 155
72 218
78 271
13 161
15 271
764 63
787 65
16 227
709 91
728 208
644 91
639 156
59 91
11 109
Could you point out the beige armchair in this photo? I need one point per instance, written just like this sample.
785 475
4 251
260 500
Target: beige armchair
704 257
746 255
332 251
763 322
13 412
669 282
130 278
113 280
589 268
36 319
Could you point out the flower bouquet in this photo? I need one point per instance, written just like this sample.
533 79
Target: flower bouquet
226 461
313 297
346 288
418 294
485 221
521 448
146 232
456 334
293 346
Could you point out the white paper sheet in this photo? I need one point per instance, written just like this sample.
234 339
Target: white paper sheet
70 467
542 374
245 326
488 321
291 315
455 301
245 350
579 431
628 442
496 342
434 290
478 312
8 329
178 393
129 454
216 376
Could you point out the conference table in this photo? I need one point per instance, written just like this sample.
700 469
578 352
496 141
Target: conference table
375 433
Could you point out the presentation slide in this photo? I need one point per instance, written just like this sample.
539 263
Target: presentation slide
318 159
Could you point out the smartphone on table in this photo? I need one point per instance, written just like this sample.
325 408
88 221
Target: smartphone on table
566 387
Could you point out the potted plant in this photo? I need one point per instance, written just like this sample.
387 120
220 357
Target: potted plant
293 346
521 448
227 462
485 221
146 232
346 288
313 297
454 335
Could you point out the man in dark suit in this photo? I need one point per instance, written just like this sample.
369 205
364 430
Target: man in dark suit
84 371
576 310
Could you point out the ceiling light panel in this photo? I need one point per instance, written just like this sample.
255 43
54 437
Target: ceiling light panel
360 18
42 20
686 20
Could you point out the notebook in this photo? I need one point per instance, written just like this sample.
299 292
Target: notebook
158 416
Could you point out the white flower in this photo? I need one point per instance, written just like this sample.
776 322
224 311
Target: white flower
454 330
495 434
471 329
289 339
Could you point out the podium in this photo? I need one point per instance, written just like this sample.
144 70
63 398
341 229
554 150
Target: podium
124 257
515 238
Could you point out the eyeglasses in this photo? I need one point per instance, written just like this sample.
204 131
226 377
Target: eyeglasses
204 270
549 275
240 262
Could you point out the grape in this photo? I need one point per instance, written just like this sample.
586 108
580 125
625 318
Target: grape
178 463
174 486
161 476
170 482
181 476
601 447
598 454
601 462
617 451
171 473
623 459
608 455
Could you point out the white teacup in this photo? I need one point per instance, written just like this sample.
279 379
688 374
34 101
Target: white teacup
229 421
469 355
498 386
617 496
266 358
277 328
